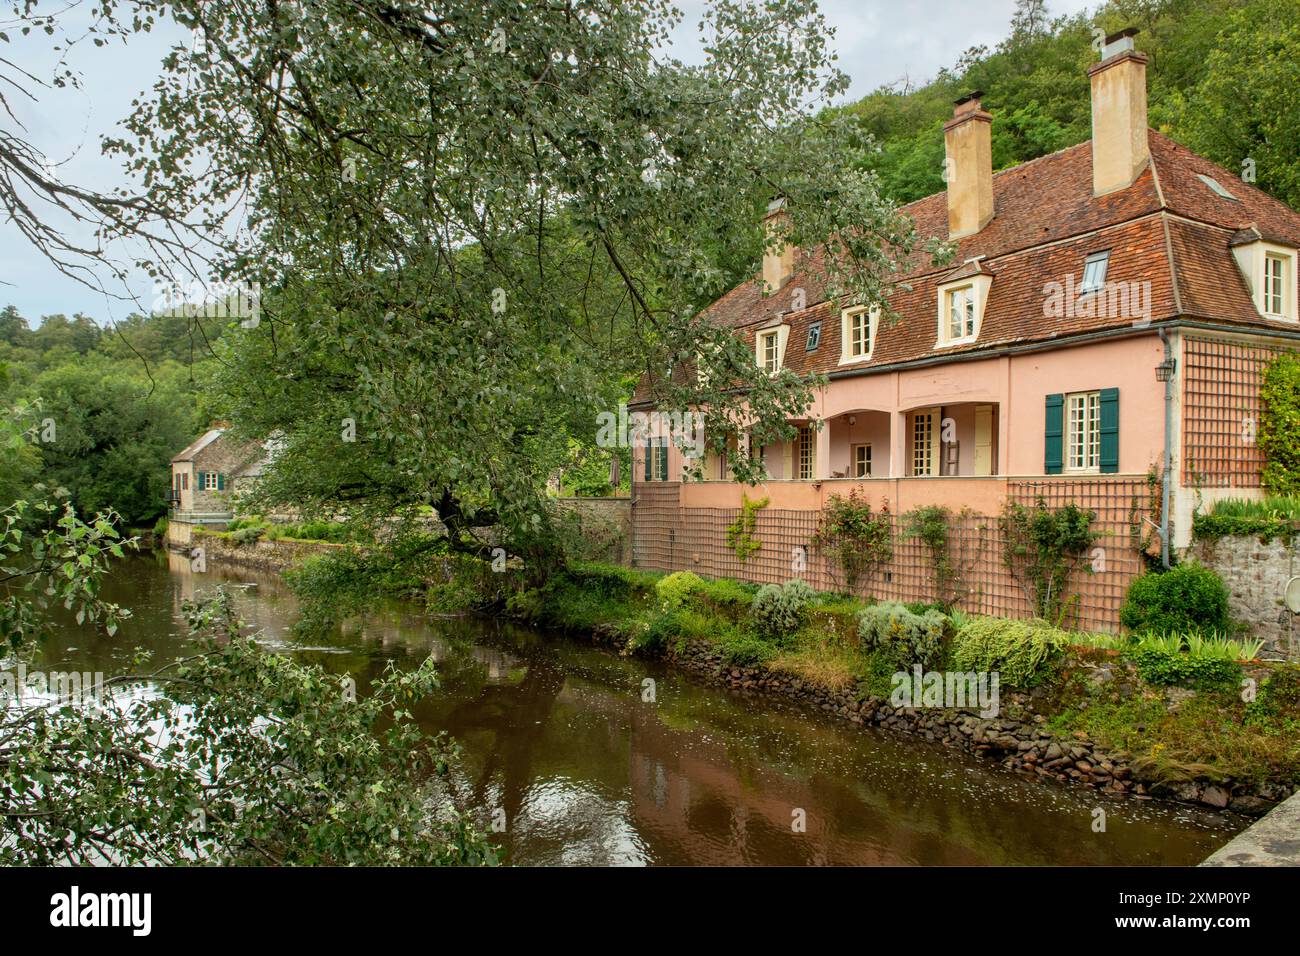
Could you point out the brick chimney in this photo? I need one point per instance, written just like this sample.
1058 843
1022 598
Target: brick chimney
969 167
778 255
1119 114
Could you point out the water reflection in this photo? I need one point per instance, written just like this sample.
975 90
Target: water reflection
558 742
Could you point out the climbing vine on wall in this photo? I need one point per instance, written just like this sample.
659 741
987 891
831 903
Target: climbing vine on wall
856 541
1043 548
1279 427
740 533
950 561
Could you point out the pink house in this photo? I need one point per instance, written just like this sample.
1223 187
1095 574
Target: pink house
1106 318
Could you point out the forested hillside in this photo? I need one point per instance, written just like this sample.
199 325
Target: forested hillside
1223 80
100 411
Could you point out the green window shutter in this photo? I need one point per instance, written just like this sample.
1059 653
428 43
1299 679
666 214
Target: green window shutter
649 460
1053 435
663 462
221 482
1109 431
201 476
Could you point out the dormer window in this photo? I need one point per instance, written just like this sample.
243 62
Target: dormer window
771 353
857 333
1094 272
961 314
961 307
1269 269
769 348
1275 285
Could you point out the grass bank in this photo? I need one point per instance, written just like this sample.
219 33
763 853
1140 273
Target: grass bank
1182 710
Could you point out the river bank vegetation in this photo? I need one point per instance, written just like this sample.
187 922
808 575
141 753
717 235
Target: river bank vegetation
1186 705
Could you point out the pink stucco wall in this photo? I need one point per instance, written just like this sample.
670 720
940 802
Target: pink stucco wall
1016 385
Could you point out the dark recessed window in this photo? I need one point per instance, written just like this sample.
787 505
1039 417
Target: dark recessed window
814 336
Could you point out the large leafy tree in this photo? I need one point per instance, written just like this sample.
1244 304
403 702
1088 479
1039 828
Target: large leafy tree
471 220
1243 113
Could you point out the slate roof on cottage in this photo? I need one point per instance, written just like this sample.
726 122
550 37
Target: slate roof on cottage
196 446
1169 228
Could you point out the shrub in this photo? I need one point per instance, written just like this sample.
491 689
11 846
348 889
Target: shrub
727 595
655 637
247 534
607 580
1279 427
674 589
1273 517
1043 547
779 610
908 638
1277 706
743 648
1022 652
855 541
160 528
1188 598
1162 667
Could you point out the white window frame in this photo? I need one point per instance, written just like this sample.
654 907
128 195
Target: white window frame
854 470
1096 259
849 342
211 481
1275 296
976 290
1083 433
1253 258
782 334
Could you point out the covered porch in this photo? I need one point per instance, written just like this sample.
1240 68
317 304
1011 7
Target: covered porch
935 441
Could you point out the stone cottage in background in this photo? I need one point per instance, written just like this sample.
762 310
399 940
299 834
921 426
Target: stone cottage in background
206 476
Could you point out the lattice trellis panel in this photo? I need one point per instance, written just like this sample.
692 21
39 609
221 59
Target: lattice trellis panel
1221 412
669 538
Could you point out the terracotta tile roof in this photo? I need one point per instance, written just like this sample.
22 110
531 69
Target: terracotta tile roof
1046 222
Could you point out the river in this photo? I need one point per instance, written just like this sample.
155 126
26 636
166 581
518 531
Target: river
556 734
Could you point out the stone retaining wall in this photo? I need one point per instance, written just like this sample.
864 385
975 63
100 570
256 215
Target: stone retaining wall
1257 573
1022 745
260 555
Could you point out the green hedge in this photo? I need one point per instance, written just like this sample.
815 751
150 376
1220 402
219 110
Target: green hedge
1187 599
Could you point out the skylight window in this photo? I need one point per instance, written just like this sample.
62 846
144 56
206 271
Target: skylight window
1094 272
814 336
1217 187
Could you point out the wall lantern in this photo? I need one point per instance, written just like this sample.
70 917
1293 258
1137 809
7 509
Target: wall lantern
1165 370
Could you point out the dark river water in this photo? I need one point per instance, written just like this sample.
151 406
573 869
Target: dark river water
557 735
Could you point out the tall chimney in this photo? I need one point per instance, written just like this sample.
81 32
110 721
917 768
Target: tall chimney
969 167
1119 114
778 257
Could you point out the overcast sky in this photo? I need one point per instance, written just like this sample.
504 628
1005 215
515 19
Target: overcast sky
878 42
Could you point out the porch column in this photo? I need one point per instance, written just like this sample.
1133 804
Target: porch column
823 463
897 444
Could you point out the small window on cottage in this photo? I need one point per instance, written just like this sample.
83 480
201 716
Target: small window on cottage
961 313
1094 272
814 336
1275 285
807 453
1216 186
923 444
859 334
771 353
1083 431
211 481
185 481
861 461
